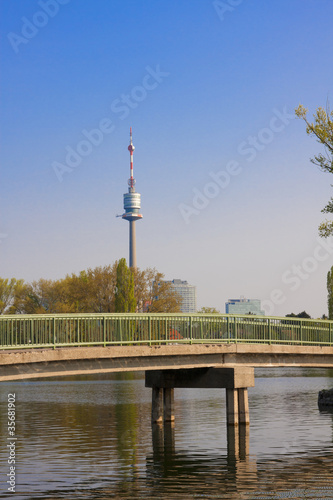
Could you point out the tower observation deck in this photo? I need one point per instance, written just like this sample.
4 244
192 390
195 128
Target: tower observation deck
132 206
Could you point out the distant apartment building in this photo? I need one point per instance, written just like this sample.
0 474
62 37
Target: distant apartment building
244 306
188 294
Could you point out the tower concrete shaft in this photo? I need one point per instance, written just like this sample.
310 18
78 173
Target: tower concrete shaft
132 205
132 244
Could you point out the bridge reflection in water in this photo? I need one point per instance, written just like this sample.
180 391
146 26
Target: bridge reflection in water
164 449
163 438
239 474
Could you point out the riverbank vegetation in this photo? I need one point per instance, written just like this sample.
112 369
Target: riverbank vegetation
104 289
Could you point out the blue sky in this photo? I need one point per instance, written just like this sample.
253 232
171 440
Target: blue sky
230 199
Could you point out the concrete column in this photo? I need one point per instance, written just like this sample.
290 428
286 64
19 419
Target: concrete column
132 244
244 441
168 399
243 406
157 405
233 442
158 441
232 406
169 437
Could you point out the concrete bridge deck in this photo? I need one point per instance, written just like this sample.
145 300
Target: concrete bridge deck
175 350
42 362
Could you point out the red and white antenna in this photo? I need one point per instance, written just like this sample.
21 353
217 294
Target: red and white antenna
131 148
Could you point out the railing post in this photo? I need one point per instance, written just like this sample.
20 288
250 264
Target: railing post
149 329
54 332
269 331
191 332
235 329
78 329
32 330
228 330
104 331
301 331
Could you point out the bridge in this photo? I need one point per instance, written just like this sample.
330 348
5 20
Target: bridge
175 350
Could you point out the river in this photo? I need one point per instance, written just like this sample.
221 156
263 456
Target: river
91 438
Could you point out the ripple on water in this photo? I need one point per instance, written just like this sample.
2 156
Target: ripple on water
93 439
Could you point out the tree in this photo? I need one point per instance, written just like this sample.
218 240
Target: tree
8 292
45 296
20 295
302 314
124 296
108 289
91 291
330 293
209 310
322 129
163 297
142 286
102 285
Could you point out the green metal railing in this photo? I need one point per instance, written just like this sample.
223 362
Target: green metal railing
59 330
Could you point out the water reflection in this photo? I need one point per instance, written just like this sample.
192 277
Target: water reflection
92 439
237 474
236 467
235 477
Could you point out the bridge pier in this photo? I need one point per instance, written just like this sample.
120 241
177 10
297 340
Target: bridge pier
168 402
235 380
157 405
162 407
232 406
237 406
243 406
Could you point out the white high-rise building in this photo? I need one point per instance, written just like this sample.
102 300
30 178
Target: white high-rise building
188 294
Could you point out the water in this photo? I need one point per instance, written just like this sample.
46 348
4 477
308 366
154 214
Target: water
91 438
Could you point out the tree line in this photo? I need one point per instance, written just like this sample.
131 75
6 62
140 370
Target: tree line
322 129
107 289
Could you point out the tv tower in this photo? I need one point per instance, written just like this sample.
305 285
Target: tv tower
132 205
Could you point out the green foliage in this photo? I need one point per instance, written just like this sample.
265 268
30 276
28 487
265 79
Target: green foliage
302 314
163 297
326 229
101 290
9 295
322 129
142 286
209 310
330 293
124 296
